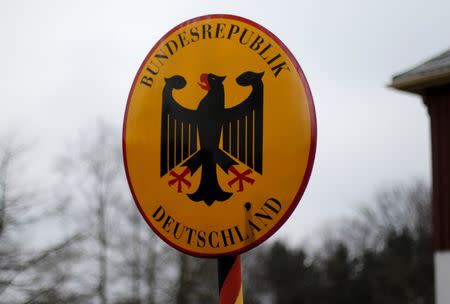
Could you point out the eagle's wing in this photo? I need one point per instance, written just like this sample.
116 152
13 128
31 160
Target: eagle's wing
243 129
178 128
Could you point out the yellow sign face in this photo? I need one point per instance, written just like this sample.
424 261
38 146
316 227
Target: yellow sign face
219 136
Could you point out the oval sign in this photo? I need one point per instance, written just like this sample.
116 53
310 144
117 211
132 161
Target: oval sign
219 136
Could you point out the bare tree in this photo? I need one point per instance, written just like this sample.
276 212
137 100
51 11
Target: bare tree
140 259
19 209
131 265
399 208
24 271
90 182
196 280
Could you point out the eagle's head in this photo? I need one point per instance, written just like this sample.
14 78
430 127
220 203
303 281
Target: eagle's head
248 78
176 82
208 81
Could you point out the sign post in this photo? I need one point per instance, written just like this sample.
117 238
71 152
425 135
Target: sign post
219 139
230 280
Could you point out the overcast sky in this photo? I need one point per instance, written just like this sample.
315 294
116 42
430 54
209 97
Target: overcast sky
65 63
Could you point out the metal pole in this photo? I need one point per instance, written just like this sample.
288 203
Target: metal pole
230 280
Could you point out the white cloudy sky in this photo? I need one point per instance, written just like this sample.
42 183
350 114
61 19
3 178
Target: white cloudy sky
65 63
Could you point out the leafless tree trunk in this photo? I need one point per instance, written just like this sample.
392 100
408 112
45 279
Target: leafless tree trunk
136 265
183 288
150 274
4 164
103 249
103 167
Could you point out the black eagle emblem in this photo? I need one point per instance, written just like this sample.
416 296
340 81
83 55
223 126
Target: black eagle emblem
192 137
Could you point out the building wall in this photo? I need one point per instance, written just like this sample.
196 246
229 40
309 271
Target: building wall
438 103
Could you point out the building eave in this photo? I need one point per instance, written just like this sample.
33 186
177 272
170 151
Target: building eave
418 84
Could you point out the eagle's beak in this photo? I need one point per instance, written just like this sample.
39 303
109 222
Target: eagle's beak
204 84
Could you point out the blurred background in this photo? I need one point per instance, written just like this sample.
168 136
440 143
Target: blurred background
69 230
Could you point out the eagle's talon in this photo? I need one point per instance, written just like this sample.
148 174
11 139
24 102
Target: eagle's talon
241 178
180 179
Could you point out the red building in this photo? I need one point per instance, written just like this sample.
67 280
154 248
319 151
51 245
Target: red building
431 80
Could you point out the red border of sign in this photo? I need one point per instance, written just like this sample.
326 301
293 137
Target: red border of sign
312 150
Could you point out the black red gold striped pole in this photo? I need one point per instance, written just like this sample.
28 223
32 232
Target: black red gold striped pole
230 280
